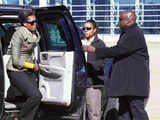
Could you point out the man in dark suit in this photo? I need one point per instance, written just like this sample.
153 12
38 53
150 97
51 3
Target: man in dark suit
130 73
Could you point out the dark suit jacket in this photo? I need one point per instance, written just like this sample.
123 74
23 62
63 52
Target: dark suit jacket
95 66
130 71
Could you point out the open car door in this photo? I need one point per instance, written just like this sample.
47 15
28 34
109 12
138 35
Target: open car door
62 74
55 81
1 82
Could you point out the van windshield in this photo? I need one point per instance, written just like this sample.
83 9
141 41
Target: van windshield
55 40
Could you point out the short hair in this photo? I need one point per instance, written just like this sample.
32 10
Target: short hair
23 15
93 23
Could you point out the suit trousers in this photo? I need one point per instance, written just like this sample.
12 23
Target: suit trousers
26 83
93 101
132 108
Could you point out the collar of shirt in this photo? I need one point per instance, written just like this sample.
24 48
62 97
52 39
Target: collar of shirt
125 29
88 42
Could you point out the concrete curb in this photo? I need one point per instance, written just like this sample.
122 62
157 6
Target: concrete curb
154 116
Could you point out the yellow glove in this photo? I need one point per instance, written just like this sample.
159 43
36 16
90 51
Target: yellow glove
28 65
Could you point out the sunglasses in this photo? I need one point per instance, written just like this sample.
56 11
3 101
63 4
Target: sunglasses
120 19
32 22
87 28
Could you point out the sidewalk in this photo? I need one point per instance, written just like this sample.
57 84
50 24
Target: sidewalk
153 106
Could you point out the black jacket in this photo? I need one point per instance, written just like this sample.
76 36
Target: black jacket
130 71
95 66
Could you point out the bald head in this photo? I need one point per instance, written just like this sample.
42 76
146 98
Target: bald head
128 17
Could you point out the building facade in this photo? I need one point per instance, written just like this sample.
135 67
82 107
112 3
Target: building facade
105 12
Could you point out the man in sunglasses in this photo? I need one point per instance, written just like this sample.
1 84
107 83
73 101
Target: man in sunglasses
95 71
21 68
130 72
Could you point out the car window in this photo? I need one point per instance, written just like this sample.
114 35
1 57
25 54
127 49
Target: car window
55 40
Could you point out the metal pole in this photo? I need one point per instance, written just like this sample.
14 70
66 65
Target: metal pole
137 10
94 9
70 6
142 11
58 2
65 2
4 2
112 8
20 2
88 9
43 3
